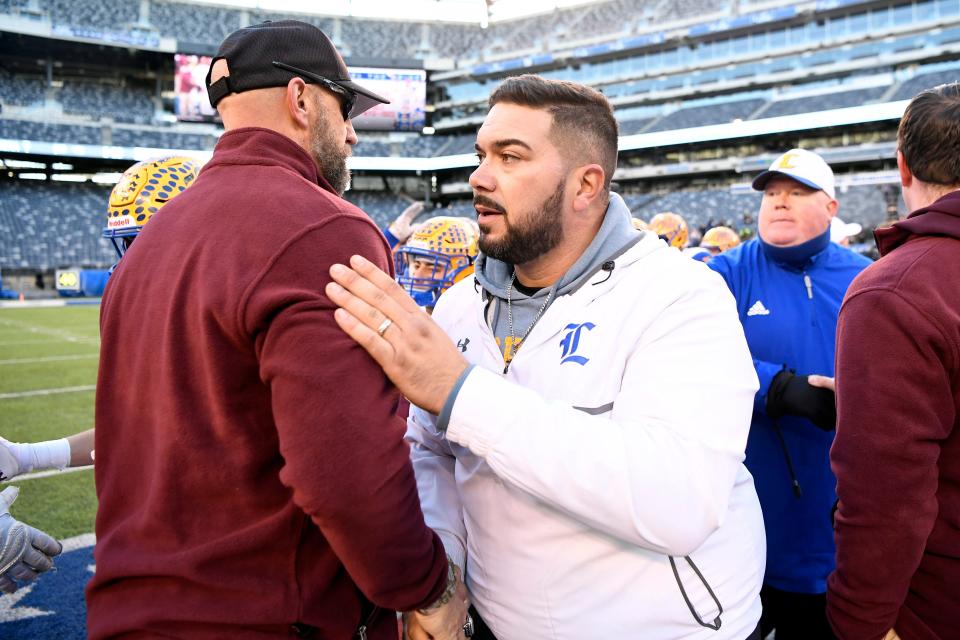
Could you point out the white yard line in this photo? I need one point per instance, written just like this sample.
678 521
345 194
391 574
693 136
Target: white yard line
46 474
58 302
46 392
55 333
16 343
85 356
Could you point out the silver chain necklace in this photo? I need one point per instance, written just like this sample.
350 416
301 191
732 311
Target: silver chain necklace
513 338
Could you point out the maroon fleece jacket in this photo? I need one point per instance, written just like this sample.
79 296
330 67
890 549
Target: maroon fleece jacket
251 469
897 450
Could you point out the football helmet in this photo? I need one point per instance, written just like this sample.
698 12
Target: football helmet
671 227
438 254
719 239
141 191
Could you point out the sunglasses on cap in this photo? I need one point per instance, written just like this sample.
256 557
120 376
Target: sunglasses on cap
347 98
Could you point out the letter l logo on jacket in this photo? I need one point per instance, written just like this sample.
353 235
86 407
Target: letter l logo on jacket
571 342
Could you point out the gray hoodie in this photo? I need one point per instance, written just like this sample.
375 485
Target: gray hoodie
616 235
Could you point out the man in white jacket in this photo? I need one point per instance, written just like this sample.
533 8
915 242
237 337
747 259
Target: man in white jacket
581 405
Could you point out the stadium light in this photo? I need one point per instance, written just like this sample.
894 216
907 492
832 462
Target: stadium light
23 164
106 178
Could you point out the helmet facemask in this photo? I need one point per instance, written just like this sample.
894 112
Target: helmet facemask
425 285
438 255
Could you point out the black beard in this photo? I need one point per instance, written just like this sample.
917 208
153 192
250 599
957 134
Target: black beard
542 232
330 156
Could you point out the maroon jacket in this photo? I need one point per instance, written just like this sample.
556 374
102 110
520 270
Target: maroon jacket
251 470
897 450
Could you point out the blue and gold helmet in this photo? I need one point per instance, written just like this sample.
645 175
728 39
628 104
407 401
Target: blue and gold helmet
141 191
671 227
438 254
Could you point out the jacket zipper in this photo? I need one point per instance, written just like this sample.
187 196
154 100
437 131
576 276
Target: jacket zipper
808 283
361 632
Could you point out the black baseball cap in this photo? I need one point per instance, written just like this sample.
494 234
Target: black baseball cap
262 55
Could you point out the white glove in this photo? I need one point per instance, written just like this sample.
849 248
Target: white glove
9 465
402 228
25 552
17 458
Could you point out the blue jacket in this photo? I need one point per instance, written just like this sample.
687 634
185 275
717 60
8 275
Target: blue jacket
788 300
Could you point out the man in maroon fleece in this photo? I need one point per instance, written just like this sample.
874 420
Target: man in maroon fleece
251 470
897 450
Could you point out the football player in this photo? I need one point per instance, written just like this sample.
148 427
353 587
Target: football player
24 551
440 253
719 239
671 227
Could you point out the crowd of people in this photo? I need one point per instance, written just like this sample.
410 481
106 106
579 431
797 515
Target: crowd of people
557 421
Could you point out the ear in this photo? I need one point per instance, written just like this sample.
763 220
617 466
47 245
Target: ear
297 102
906 176
590 179
832 207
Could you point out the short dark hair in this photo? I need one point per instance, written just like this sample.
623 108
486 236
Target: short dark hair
583 121
929 135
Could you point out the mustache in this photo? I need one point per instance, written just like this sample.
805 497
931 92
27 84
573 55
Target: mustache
484 201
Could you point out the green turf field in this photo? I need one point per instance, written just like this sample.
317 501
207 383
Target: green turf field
53 350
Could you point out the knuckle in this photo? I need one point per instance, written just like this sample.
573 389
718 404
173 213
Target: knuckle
348 277
372 314
379 297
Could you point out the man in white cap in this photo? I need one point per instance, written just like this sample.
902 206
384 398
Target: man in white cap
789 283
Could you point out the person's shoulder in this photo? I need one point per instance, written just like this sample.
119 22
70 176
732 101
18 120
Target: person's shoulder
738 255
460 295
664 276
919 265
315 206
847 256
455 301
740 260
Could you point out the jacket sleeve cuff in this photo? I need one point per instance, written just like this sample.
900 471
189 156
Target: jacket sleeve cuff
466 426
443 419
455 550
766 372
392 240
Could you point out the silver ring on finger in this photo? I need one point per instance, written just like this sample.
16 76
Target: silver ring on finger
468 628
384 326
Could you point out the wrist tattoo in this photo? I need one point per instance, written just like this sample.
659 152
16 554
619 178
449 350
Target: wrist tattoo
453 573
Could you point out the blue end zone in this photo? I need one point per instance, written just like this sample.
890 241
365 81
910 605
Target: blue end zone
53 606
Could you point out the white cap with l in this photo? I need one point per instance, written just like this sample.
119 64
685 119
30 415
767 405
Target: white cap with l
805 167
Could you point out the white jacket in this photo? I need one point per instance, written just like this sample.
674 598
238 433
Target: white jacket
568 483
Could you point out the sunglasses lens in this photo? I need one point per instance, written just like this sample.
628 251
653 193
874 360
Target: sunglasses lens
348 101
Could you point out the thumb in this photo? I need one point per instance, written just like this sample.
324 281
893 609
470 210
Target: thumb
7 497
824 382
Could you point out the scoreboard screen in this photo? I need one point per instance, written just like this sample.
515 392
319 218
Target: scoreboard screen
406 89
190 102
